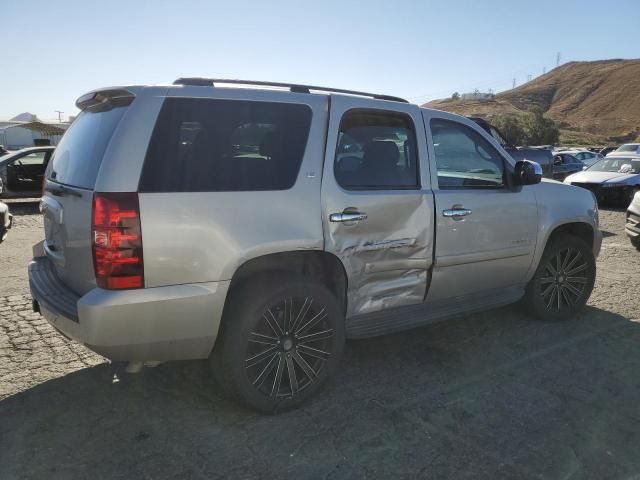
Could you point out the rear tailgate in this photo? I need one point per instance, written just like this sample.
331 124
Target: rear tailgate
70 182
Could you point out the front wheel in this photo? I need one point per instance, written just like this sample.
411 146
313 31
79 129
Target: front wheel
564 279
281 340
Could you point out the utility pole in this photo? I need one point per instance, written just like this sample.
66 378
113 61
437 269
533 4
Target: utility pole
544 70
558 59
59 112
514 83
529 78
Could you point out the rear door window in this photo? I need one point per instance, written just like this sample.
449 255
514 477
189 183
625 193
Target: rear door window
201 145
78 156
376 151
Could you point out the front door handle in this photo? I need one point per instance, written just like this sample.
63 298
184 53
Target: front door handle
347 217
456 213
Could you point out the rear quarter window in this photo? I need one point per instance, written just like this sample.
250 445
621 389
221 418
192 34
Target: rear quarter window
78 156
201 145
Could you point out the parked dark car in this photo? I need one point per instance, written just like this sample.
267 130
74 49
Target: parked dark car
565 164
6 219
543 156
21 172
607 150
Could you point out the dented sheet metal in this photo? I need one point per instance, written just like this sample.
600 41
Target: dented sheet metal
388 255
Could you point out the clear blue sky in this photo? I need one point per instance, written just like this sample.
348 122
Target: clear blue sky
53 51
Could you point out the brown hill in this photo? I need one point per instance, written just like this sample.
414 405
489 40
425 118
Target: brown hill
591 101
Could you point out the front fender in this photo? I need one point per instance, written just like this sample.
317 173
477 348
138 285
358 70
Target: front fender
560 204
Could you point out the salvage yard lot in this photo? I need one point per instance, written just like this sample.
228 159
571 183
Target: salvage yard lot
492 395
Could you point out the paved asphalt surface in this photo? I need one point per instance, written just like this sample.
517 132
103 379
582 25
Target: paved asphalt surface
494 395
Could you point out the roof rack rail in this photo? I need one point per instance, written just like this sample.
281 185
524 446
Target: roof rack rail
210 82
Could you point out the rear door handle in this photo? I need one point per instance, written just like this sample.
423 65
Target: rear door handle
347 217
456 213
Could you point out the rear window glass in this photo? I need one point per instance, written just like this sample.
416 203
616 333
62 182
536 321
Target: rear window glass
225 145
78 156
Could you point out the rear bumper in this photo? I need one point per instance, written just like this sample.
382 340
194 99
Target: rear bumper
632 226
175 322
6 220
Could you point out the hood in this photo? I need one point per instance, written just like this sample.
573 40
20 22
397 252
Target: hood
601 177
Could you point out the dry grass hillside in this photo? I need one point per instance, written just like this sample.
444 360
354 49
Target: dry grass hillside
593 102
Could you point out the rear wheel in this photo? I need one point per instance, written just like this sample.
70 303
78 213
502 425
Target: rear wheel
564 279
281 340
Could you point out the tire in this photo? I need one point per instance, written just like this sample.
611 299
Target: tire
563 280
635 242
270 365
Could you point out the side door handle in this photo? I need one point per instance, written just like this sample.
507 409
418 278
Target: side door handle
347 217
456 213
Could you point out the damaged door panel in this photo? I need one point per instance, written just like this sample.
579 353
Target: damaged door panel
377 216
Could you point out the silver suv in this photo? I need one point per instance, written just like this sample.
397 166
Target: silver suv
260 227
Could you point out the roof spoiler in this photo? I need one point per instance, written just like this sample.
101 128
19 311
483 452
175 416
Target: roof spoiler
103 100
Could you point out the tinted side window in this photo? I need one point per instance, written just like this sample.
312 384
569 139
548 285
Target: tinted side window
376 150
464 158
201 145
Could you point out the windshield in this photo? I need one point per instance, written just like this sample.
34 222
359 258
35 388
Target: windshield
632 147
620 165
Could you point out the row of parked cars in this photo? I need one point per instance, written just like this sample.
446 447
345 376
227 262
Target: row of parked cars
21 176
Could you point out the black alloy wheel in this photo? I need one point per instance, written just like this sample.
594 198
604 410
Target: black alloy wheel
563 280
281 340
289 347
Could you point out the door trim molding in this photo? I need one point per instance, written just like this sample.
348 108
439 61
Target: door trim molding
484 256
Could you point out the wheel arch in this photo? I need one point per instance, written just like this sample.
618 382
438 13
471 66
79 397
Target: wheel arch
317 264
582 230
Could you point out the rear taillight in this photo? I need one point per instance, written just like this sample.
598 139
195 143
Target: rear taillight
117 241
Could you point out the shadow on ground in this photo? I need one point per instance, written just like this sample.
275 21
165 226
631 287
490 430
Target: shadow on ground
493 395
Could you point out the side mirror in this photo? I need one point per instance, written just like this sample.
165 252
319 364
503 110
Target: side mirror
557 161
527 172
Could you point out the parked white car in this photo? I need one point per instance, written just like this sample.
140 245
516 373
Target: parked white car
626 148
612 179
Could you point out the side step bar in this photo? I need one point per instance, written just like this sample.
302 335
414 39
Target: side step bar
405 318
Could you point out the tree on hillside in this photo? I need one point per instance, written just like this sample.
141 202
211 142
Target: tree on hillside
510 128
539 130
455 96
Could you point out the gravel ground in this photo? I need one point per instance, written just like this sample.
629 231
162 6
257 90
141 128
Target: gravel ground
15 251
494 395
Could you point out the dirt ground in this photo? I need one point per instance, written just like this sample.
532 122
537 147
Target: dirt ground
494 395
